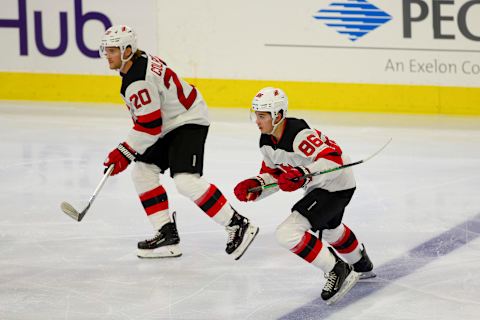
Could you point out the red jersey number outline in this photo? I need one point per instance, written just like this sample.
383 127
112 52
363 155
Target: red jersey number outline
309 145
141 98
187 102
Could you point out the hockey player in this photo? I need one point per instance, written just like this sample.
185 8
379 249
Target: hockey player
170 126
291 149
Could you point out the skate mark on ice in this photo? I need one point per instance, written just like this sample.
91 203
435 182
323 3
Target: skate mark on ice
413 260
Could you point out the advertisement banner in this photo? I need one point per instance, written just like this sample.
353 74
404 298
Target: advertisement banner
426 42
63 36
418 56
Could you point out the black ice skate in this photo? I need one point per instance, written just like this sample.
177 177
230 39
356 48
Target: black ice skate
163 245
240 234
364 266
340 280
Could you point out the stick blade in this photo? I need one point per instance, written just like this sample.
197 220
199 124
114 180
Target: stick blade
69 210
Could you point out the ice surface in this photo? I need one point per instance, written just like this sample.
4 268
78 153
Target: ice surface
417 209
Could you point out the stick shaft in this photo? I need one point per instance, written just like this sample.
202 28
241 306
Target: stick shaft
95 193
101 183
308 175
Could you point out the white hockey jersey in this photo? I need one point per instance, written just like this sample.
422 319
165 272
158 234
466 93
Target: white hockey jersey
300 145
159 101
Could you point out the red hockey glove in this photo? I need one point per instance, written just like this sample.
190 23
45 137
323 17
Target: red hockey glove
120 157
291 179
241 190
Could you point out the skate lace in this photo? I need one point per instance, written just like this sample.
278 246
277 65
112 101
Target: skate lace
331 279
231 232
158 235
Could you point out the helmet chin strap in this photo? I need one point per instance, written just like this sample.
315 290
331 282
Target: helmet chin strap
124 61
276 125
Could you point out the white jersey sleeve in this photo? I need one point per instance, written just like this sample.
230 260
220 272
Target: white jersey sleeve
145 108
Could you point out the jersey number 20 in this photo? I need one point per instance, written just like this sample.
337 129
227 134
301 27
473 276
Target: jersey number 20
141 98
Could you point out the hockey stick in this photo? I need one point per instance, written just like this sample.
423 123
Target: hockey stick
78 216
313 174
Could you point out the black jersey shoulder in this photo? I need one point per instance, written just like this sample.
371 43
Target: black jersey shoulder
292 128
137 72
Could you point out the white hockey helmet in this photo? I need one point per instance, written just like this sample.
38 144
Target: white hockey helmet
120 36
272 100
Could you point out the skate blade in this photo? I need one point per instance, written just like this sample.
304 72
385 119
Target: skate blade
249 236
350 281
367 275
162 252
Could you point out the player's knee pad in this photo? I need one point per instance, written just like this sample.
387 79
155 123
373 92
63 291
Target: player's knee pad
145 176
190 185
333 235
291 231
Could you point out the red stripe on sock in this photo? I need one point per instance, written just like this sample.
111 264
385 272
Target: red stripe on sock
216 207
207 195
352 247
307 237
314 253
342 239
158 191
156 208
302 244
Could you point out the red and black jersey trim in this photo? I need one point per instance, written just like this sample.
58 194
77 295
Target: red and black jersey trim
334 158
211 201
150 123
333 152
292 127
154 200
308 248
331 155
347 243
137 72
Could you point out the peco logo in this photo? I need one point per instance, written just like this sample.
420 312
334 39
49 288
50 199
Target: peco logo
356 18
353 18
438 10
80 17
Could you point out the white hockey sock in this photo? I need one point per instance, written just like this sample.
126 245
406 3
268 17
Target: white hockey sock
146 178
344 241
216 206
293 234
325 260
312 250
207 196
155 203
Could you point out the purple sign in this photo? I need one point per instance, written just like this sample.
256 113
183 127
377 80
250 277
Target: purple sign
80 20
